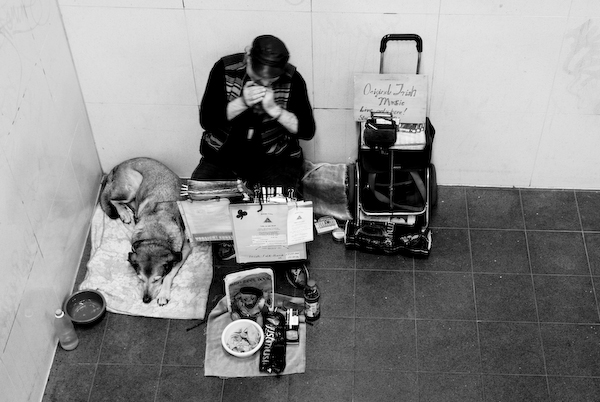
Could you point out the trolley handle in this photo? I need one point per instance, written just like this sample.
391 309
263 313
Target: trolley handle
401 37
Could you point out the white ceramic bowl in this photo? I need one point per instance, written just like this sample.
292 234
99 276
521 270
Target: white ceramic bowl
242 338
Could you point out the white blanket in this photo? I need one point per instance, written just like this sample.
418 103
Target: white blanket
109 272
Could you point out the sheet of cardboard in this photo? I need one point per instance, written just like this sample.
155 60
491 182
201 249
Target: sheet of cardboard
260 234
404 95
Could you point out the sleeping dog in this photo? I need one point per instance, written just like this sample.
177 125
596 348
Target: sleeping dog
144 191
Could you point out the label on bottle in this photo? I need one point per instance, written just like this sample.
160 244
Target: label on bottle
312 310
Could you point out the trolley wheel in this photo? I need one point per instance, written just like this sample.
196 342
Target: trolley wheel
433 190
351 189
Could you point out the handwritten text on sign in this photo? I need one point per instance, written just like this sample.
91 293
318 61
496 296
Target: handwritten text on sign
404 95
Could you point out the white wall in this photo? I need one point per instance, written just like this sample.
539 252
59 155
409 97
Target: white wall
50 175
513 84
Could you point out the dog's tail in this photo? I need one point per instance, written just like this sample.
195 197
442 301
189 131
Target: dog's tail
105 194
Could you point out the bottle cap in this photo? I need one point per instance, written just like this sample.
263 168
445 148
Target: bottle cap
59 313
310 283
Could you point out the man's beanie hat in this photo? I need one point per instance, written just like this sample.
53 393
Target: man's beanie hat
270 52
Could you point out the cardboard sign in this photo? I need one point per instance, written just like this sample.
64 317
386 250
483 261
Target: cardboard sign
262 232
404 95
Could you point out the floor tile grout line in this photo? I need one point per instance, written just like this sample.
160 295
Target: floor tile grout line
535 299
477 321
387 318
532 230
587 255
162 360
416 329
490 273
473 373
97 364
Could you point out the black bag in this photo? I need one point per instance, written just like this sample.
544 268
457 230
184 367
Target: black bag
376 159
387 238
409 191
380 130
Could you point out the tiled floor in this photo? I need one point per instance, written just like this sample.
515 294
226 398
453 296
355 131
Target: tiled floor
504 309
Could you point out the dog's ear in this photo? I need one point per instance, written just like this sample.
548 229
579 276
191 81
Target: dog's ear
175 256
132 258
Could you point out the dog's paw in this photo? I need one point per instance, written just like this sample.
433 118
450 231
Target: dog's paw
126 215
163 298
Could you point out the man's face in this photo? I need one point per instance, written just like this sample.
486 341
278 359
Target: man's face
265 81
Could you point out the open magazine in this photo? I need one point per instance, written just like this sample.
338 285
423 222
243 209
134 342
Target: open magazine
249 293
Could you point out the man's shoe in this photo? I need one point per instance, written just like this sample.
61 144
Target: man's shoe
226 251
297 276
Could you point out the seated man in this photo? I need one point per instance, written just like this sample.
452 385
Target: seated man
254 110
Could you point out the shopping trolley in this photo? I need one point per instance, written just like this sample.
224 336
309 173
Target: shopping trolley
393 186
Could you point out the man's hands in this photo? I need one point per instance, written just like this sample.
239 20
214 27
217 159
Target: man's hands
268 103
253 94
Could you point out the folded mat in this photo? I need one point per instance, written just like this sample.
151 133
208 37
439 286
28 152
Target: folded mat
109 272
219 363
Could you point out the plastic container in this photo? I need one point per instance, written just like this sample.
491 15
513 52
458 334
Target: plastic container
312 306
338 234
67 337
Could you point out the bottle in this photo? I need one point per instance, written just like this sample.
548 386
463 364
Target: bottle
312 308
67 337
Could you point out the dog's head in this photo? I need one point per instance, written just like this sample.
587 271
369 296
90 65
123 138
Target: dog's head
152 261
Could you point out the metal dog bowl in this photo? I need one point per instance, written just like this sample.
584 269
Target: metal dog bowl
85 306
